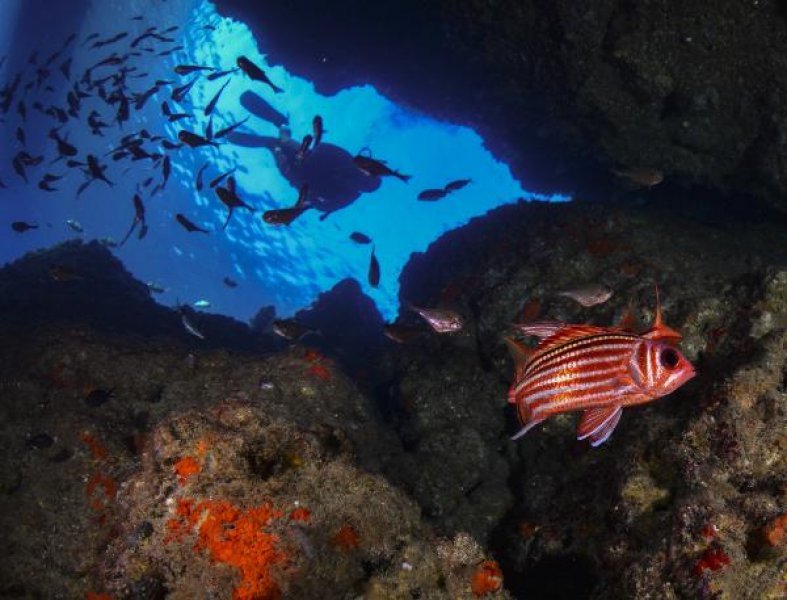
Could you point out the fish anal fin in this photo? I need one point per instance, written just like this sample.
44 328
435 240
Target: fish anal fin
526 428
597 424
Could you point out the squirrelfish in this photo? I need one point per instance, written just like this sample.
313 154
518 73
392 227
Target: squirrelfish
597 370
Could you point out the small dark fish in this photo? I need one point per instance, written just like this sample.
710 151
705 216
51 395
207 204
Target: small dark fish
194 140
171 115
92 36
222 177
96 170
457 184
374 270
220 74
432 194
143 231
124 111
318 129
377 168
222 132
255 73
20 136
145 35
64 149
189 69
166 168
139 217
209 129
188 225
109 41
180 92
21 226
97 397
304 148
291 329
65 68
20 108
198 182
171 29
231 200
283 216
230 283
141 99
212 104
360 238
44 185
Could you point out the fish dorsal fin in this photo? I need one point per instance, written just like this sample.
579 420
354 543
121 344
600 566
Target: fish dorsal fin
519 352
597 424
660 331
570 333
628 322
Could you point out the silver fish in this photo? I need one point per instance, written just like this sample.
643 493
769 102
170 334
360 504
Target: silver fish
442 320
588 295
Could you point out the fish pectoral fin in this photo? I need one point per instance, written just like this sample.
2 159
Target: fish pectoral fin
597 424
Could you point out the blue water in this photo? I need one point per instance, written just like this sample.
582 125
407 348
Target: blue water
287 267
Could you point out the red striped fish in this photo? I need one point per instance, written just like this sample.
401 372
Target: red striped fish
597 370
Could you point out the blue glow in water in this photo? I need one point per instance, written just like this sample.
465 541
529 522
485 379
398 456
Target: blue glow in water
284 266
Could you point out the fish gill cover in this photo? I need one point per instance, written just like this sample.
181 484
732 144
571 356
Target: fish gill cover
286 266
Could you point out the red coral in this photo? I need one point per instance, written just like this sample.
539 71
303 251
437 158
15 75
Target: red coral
235 537
487 578
712 560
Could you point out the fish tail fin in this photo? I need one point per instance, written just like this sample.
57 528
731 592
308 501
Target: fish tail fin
276 88
404 178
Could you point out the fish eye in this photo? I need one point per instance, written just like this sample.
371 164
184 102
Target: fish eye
669 358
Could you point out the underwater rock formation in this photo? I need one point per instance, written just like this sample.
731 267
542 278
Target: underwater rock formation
144 464
568 90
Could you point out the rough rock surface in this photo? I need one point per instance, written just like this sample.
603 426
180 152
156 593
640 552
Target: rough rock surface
567 90
150 466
